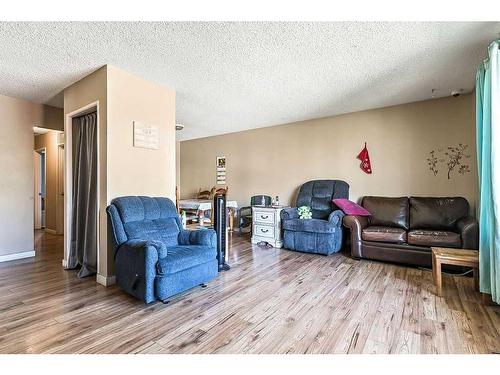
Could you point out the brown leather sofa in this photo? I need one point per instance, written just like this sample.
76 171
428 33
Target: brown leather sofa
402 230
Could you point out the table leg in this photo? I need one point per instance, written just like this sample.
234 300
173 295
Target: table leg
433 268
231 219
475 270
439 280
201 216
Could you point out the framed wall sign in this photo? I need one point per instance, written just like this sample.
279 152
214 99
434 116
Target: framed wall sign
146 136
221 170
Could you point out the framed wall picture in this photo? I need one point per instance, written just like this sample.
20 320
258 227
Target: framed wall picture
146 136
221 170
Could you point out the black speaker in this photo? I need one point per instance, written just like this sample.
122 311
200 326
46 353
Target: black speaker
220 229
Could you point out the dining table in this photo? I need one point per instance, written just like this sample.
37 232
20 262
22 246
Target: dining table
202 205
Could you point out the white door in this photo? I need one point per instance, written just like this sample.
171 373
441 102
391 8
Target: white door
37 198
60 190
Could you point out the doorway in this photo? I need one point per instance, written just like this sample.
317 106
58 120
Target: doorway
40 168
81 190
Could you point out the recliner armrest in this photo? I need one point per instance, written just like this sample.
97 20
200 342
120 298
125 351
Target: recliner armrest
468 228
356 224
203 237
335 217
135 245
135 267
289 213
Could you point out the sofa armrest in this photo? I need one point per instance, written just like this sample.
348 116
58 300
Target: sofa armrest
469 231
356 225
135 267
203 237
289 213
335 217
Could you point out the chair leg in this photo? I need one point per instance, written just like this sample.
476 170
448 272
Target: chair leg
203 285
165 301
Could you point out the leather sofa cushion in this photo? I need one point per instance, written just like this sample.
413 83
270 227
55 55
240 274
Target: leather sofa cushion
183 257
384 234
437 213
388 212
422 237
309 225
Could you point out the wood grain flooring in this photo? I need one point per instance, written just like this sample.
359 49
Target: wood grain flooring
271 301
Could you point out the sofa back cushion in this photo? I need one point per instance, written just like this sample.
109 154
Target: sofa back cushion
318 195
437 213
388 212
147 218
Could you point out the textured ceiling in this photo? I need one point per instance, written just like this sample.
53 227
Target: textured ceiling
233 76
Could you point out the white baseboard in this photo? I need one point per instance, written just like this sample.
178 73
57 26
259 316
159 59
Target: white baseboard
24 254
64 263
50 231
105 280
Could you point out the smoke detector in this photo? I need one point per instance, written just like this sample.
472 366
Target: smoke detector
179 126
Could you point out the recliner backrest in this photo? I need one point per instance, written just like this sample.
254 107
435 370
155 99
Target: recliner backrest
318 195
144 218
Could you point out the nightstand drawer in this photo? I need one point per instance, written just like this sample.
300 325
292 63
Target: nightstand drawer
263 231
264 217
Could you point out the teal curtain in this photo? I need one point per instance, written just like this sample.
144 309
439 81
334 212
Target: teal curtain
488 159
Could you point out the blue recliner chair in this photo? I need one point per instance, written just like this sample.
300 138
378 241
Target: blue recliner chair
323 233
155 257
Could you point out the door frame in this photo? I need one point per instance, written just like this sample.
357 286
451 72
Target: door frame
68 177
42 150
60 177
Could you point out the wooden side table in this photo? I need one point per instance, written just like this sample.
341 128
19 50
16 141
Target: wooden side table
456 257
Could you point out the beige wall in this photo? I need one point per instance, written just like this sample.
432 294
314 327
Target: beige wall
177 163
49 141
277 160
17 118
127 170
90 89
53 118
133 170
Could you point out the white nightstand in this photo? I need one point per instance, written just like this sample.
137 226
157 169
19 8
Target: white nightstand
266 225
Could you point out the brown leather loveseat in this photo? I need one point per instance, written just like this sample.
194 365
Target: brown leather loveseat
402 230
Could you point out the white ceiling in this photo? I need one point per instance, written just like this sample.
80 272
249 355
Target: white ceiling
233 76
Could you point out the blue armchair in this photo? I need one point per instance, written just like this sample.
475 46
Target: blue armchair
323 233
155 257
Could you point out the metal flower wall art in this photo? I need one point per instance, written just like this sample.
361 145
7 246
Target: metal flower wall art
454 158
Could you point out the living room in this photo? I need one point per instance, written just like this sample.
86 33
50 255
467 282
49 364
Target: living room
263 187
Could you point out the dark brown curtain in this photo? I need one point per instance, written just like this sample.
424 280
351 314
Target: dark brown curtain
83 247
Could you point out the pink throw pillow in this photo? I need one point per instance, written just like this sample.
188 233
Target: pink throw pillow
350 208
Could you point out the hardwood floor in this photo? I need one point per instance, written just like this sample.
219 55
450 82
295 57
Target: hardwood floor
271 301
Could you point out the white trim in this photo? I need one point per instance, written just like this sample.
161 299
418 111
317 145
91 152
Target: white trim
68 169
63 262
14 256
105 280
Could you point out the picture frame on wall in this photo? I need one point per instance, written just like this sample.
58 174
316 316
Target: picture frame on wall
221 162
221 170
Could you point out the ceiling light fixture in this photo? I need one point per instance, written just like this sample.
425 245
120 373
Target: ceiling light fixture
179 126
